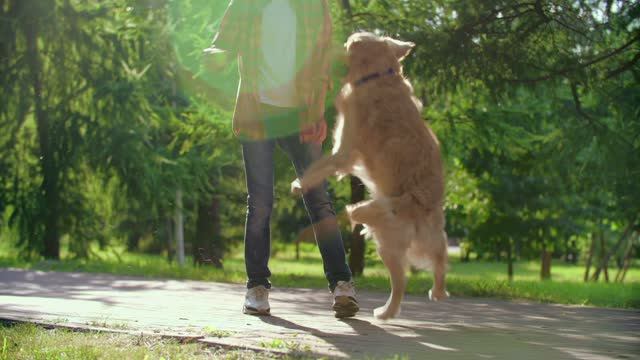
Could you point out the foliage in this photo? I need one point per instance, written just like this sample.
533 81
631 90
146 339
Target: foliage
521 95
107 112
27 341
115 120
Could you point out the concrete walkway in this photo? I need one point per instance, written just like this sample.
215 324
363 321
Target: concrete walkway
461 328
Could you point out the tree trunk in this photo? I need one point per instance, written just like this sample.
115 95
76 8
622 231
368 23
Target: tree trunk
627 259
596 273
134 236
605 256
50 171
206 247
357 244
509 261
603 259
179 228
356 253
170 230
574 253
347 7
545 271
465 254
592 250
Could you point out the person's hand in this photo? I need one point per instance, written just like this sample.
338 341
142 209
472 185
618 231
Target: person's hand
296 187
314 133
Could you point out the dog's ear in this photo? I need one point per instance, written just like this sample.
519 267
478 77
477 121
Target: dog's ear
400 48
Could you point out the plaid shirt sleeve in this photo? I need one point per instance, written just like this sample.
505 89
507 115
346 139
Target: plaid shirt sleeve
320 46
227 36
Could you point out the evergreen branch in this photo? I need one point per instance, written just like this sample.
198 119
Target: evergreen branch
624 67
564 72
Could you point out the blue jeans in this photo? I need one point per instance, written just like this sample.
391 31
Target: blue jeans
259 172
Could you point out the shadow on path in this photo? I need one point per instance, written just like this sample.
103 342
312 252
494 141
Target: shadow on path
461 328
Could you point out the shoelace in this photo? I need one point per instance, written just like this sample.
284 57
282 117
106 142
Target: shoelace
261 292
346 287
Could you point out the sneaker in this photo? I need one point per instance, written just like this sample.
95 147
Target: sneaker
344 299
256 302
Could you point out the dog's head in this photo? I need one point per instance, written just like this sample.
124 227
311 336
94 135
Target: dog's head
368 53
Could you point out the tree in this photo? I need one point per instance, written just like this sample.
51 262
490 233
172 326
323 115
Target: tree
106 112
357 245
519 93
90 96
58 69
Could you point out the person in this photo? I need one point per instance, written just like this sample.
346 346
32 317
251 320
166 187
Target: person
283 48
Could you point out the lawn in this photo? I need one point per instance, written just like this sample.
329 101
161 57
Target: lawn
471 279
27 341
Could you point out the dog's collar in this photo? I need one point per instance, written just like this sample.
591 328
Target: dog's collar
364 79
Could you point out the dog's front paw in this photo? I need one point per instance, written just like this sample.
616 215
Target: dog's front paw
349 208
296 187
438 295
384 313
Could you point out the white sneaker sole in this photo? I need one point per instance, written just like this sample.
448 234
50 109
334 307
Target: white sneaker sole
254 311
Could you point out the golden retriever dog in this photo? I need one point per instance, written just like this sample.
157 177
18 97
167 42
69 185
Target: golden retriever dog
381 138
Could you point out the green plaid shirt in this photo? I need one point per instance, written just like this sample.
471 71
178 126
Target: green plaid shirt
240 33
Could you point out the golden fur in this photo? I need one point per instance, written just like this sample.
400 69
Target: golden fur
381 137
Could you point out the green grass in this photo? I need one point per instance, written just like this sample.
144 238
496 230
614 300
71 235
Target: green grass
471 279
27 341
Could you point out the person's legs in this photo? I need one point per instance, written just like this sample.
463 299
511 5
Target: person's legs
258 163
321 212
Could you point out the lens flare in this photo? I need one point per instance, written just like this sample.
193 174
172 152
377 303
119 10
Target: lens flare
267 52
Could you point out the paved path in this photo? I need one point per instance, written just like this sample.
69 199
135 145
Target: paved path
460 328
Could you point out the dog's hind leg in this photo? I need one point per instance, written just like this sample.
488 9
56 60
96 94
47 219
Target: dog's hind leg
395 261
369 211
438 291
381 209
428 251
393 237
438 255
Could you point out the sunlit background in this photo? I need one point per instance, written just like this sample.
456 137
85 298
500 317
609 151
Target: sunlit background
117 155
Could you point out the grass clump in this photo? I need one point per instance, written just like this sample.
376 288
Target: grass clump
28 341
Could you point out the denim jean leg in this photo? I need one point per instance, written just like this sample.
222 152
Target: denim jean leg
259 174
321 212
